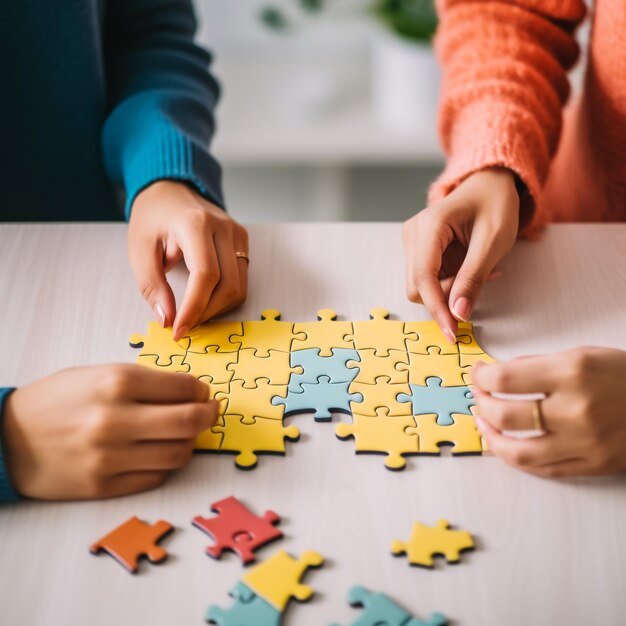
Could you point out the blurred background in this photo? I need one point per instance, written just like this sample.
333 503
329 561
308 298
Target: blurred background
329 106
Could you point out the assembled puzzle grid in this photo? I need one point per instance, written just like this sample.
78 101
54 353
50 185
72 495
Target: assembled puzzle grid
406 387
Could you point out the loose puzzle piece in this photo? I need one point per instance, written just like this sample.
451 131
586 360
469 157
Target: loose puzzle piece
427 542
325 334
429 334
248 609
382 434
370 367
277 579
322 397
264 436
382 394
236 528
381 610
254 402
160 343
250 368
132 540
218 334
444 401
268 334
462 435
211 364
380 334
176 364
313 365
434 363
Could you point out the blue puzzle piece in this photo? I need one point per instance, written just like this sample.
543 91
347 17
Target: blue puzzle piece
320 397
315 366
444 401
248 609
381 610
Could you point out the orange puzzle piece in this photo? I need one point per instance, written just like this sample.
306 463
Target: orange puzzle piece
132 540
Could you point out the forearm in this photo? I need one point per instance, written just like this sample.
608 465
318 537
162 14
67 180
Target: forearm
505 83
7 492
160 122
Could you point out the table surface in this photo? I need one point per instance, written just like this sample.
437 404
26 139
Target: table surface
548 552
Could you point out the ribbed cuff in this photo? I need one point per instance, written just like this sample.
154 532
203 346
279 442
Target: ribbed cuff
7 492
487 136
171 156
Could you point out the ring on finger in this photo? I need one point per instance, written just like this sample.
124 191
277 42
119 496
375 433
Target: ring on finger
538 423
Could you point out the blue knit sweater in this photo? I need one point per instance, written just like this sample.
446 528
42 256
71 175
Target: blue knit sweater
98 99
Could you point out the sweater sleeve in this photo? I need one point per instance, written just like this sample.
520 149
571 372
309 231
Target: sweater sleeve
7 492
504 87
161 99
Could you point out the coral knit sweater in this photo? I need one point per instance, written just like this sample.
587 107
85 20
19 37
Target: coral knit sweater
505 86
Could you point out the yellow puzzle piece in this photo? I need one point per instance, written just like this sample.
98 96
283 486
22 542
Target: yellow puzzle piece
211 364
371 366
216 334
160 342
380 334
327 333
176 364
381 433
275 367
268 334
277 579
427 542
264 435
463 435
254 402
429 334
434 363
383 393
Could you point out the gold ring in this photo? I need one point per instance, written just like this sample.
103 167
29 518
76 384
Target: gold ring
243 255
537 416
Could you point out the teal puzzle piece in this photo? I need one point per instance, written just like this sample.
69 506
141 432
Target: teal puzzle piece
248 609
381 610
315 366
444 401
320 397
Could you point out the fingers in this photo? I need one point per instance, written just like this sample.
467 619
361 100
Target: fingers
152 456
232 288
506 415
132 482
532 375
424 248
137 383
178 422
482 256
147 259
196 242
526 454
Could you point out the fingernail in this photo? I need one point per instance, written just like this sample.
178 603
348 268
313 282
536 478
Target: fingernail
160 313
449 335
462 309
480 424
181 332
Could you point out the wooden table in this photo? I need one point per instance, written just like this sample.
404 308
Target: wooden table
549 552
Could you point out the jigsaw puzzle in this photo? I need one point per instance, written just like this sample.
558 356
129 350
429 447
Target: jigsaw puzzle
133 540
405 385
426 542
237 529
380 610
263 595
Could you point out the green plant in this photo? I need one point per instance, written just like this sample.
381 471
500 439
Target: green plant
412 19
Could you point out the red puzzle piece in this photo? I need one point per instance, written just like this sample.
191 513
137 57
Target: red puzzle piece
132 540
238 529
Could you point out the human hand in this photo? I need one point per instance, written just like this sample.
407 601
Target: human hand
102 431
451 248
583 413
170 222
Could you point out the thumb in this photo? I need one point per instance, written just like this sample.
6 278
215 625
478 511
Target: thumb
482 256
147 261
